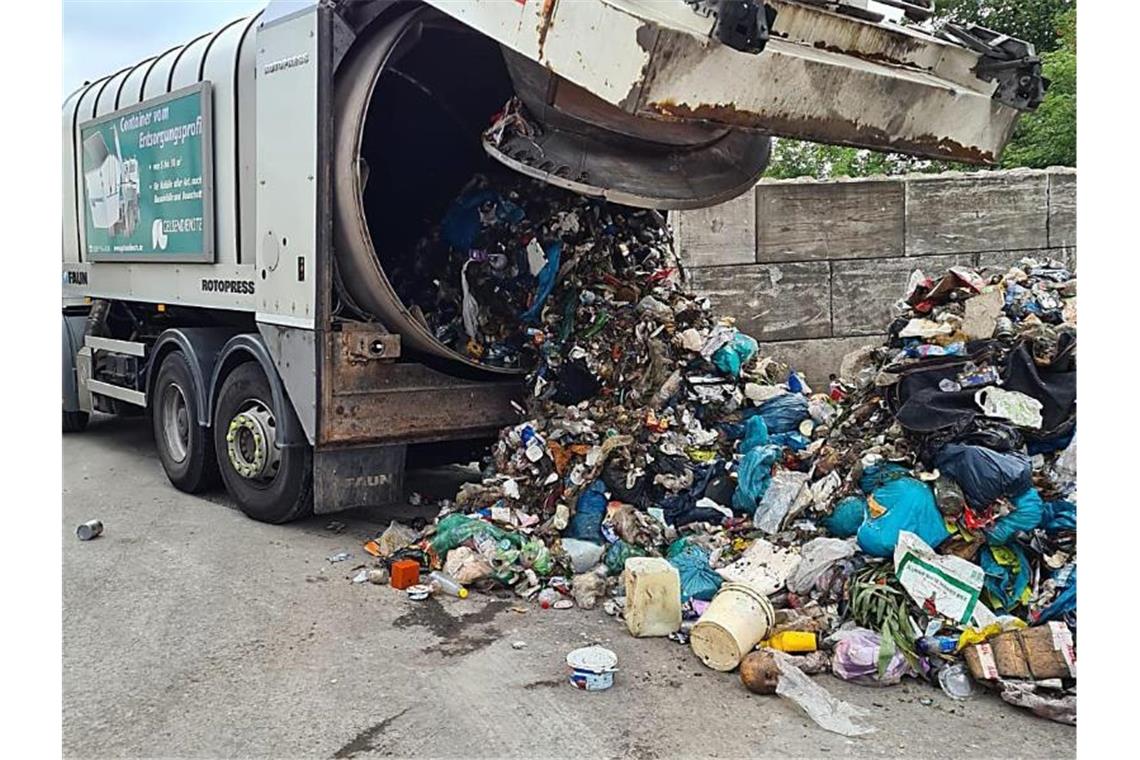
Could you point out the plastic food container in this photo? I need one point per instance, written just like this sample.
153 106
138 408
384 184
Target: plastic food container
592 668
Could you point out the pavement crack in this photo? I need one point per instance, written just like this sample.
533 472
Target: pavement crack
365 741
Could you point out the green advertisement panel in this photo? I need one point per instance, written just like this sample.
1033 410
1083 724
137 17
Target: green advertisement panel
147 180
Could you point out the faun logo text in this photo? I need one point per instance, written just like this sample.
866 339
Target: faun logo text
74 277
244 287
286 63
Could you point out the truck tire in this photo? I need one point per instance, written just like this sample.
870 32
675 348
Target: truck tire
270 484
74 422
184 446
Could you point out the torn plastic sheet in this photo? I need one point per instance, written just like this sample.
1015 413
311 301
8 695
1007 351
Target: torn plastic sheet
829 713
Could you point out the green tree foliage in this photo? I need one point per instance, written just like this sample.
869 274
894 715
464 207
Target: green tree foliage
1029 20
1046 137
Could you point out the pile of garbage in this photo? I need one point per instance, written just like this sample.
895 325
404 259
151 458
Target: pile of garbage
916 519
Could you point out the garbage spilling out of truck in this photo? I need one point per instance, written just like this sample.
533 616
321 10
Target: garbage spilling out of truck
915 519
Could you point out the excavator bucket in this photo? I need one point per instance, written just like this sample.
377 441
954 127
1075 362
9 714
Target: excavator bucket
670 103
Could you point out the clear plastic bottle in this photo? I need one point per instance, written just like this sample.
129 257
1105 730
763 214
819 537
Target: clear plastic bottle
444 583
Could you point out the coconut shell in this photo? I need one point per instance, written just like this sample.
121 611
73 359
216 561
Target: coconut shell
759 672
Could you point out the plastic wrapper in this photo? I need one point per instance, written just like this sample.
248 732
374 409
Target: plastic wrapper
860 657
829 713
753 477
394 538
781 493
816 556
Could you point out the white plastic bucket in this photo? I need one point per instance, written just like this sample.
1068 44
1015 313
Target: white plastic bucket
738 619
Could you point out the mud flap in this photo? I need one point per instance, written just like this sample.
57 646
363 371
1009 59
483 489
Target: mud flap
361 476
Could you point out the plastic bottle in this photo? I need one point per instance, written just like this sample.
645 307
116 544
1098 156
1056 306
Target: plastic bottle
793 641
444 583
955 681
937 645
949 497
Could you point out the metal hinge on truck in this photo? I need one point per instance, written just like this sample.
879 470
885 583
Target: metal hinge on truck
741 24
1012 63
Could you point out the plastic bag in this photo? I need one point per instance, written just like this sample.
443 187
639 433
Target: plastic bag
546 279
783 414
903 504
586 523
779 496
828 712
985 474
618 553
698 579
753 476
846 517
583 554
1007 575
860 657
739 350
536 556
1059 515
816 556
457 529
755 434
1026 515
879 474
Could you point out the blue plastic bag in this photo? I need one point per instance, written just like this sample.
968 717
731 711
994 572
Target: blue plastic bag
545 282
733 355
1005 585
905 504
984 474
755 434
1066 601
460 224
879 474
845 519
752 478
698 579
586 523
784 413
1059 515
1026 515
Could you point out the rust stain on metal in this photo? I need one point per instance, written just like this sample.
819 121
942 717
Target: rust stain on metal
544 23
825 129
866 56
647 37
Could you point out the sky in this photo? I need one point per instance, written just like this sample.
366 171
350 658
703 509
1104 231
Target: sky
102 36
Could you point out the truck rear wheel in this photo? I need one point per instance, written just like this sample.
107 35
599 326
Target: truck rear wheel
74 422
183 445
270 484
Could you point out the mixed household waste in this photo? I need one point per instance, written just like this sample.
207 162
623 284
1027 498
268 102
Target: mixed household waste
915 520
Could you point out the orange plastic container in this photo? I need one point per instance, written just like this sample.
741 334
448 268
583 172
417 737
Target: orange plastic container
405 572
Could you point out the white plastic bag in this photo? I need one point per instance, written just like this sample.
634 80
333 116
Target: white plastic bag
828 712
815 557
777 501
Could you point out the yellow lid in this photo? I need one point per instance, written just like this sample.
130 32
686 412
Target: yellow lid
462 593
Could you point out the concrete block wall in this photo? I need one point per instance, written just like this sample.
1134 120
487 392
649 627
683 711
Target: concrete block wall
811 269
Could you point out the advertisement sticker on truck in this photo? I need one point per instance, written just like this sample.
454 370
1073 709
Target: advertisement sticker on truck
147 184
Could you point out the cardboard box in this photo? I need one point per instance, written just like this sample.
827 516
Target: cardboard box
1042 652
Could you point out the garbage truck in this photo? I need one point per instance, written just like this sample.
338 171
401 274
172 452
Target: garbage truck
231 205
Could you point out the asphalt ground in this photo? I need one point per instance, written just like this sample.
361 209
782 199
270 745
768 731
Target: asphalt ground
190 630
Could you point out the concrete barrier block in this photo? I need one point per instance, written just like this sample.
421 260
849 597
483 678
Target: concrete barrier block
982 212
864 291
817 358
771 301
718 235
1062 209
829 220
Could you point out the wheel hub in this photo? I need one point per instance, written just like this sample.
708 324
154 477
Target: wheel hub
251 443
